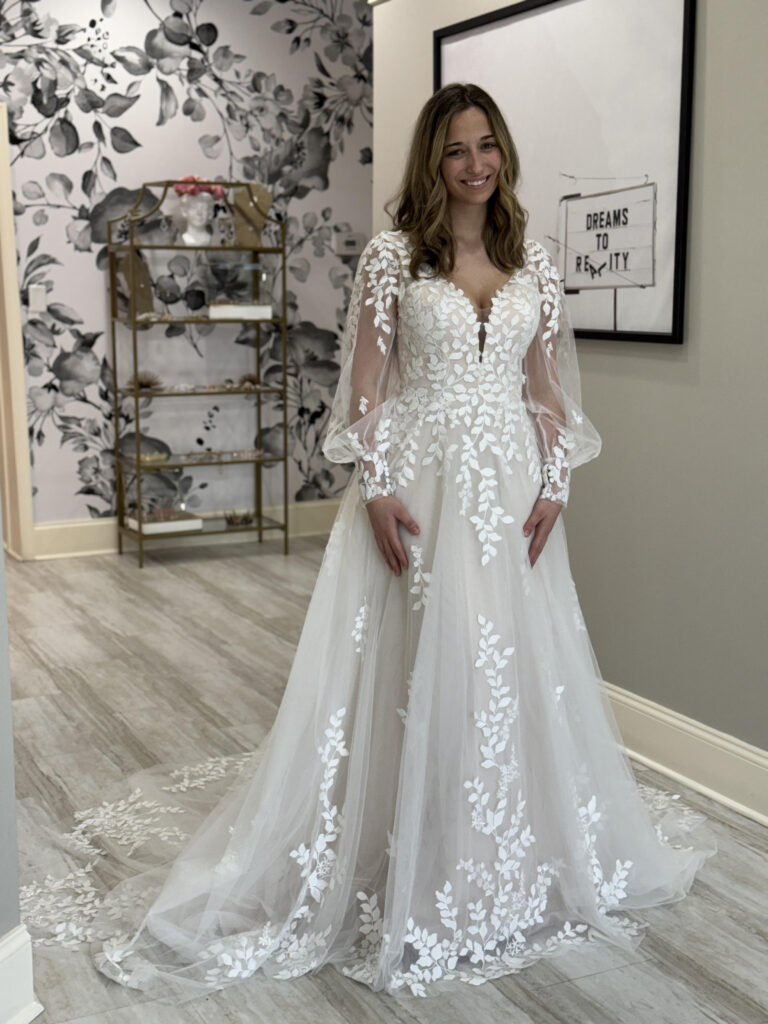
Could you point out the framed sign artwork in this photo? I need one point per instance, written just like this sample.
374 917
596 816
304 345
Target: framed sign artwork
598 98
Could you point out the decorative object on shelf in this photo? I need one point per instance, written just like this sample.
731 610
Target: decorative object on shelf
222 309
234 518
232 275
165 520
198 214
145 380
197 199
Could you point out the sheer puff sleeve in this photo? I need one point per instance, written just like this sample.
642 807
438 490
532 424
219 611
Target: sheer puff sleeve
552 387
358 428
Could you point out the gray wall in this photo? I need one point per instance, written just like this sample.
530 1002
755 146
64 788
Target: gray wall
9 898
667 528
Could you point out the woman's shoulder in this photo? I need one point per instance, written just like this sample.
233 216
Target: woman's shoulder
541 261
535 251
387 252
391 240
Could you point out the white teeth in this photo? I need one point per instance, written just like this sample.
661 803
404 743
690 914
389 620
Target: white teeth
479 181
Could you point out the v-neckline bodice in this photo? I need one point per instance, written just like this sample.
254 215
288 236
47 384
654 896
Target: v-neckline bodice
480 320
476 311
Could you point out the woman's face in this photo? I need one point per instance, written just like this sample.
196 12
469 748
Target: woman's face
471 158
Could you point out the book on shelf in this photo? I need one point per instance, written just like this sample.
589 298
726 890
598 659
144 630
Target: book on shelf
179 524
239 311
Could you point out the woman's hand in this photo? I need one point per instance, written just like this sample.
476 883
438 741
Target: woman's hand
540 521
385 513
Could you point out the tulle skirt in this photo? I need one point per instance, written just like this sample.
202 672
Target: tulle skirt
443 795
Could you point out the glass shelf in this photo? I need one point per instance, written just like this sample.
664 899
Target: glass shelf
184 461
167 321
262 389
138 244
213 525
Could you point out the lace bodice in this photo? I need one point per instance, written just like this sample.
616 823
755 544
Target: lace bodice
439 334
423 337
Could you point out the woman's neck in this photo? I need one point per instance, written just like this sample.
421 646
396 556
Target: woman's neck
467 224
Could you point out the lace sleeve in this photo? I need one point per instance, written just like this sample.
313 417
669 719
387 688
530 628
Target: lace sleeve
552 387
358 427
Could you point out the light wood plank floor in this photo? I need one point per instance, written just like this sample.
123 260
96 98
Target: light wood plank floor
115 669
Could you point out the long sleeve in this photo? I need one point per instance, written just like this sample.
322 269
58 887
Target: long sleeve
358 427
552 388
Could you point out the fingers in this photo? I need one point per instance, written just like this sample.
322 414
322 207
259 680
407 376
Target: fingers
539 540
392 550
385 520
389 556
407 520
399 553
535 549
531 521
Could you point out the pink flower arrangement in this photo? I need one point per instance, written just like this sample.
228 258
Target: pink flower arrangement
191 185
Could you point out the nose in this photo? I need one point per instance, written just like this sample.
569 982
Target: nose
474 162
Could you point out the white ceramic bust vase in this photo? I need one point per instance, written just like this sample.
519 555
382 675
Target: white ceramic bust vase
198 212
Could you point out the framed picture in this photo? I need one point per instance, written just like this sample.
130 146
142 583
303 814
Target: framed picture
598 98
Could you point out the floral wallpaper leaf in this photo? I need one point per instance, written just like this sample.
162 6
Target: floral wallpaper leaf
88 182
88 100
63 313
44 260
32 190
177 30
107 167
133 60
63 137
115 105
211 145
169 104
59 185
300 269
207 33
122 140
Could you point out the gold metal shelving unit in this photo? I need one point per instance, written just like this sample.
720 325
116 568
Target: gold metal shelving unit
137 464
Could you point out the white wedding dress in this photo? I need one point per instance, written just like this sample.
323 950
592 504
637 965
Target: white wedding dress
444 794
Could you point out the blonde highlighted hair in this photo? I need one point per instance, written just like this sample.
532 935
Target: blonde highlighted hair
421 205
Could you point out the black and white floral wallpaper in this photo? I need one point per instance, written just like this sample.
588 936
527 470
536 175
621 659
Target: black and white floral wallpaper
103 95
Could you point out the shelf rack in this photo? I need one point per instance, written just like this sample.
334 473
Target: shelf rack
128 226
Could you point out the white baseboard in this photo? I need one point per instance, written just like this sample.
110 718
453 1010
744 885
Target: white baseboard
18 1004
99 536
720 766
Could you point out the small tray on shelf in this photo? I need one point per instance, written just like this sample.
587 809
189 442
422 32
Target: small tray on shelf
182 522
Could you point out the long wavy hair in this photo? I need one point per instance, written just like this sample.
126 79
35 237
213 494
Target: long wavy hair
421 205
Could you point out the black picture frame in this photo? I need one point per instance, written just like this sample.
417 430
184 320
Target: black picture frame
647 317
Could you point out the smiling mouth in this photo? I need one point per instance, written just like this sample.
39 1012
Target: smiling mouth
477 183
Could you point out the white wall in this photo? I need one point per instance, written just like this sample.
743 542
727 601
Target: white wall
666 529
